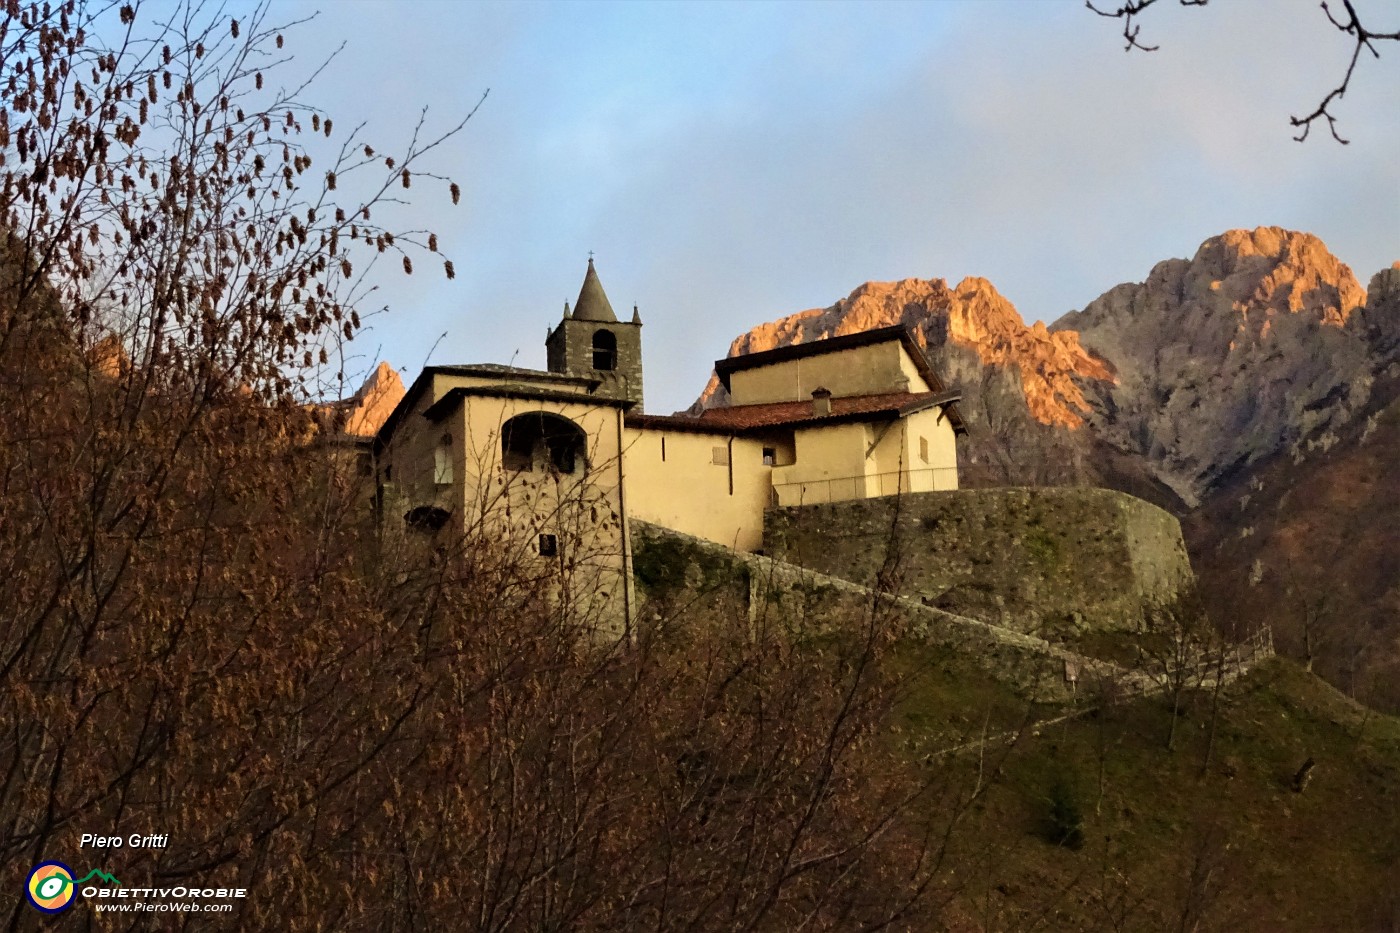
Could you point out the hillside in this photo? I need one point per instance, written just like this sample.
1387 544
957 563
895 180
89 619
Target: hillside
1307 540
1091 824
1087 809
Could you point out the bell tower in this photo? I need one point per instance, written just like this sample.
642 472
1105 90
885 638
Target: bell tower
590 341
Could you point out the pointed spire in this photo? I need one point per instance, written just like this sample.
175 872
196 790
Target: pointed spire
592 304
636 315
566 311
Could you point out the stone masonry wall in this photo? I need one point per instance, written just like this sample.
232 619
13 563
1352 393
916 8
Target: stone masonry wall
569 349
688 581
1045 561
681 578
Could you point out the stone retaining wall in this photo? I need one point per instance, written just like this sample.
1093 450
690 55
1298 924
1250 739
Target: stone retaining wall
706 583
1047 561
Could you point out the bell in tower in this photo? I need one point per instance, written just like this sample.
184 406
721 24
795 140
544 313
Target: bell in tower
591 342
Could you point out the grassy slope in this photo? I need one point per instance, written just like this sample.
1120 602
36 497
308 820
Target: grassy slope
1234 847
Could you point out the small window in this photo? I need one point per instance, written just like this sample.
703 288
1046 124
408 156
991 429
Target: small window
663 448
549 546
719 456
604 350
770 456
442 461
923 449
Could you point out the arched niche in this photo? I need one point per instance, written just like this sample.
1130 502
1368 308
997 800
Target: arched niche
543 441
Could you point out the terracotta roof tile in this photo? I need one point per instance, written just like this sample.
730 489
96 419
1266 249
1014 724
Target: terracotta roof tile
775 413
789 414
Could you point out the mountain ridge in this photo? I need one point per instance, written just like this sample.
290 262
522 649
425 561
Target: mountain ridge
1240 351
1262 339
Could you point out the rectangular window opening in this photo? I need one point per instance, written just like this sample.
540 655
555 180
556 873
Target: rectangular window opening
719 456
923 449
442 467
663 448
549 546
770 456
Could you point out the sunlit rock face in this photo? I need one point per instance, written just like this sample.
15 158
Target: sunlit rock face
1254 344
1263 341
370 407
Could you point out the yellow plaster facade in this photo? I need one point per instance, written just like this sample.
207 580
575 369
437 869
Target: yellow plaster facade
525 465
711 485
861 370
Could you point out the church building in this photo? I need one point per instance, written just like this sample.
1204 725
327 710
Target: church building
554 463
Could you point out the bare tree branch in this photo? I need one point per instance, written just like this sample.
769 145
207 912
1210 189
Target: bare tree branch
1363 36
1350 24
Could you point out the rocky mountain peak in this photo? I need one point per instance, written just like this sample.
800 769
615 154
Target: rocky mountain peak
1232 355
1049 364
367 410
1261 342
1269 270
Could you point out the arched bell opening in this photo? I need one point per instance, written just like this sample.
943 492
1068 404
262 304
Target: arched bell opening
604 350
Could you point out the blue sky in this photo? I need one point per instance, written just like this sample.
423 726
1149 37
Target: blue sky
730 163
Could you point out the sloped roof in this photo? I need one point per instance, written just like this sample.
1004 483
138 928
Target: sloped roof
740 419
593 304
572 386
501 369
